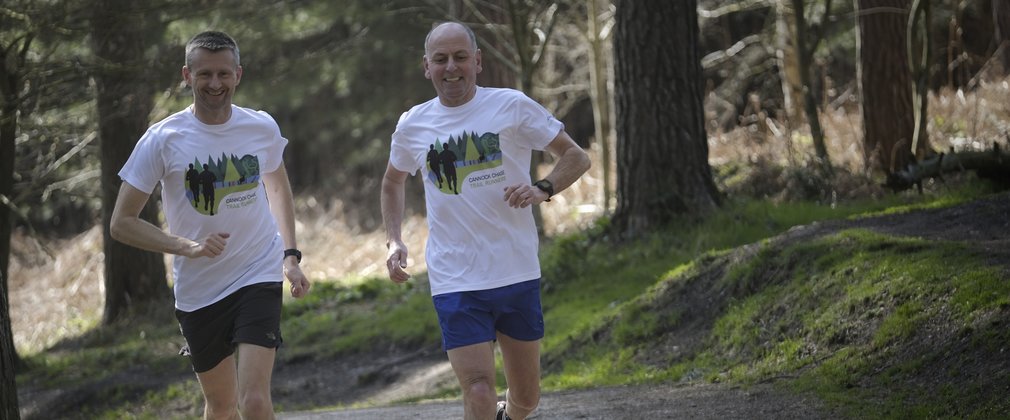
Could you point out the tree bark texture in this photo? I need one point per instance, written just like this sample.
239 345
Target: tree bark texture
662 149
788 62
599 94
12 77
10 84
133 277
919 41
9 408
805 55
885 84
1001 23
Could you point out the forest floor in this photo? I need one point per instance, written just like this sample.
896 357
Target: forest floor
983 225
381 382
47 307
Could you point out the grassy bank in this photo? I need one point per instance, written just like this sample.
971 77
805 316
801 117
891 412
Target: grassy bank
846 315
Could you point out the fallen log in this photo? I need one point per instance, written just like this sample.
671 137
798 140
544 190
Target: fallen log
992 164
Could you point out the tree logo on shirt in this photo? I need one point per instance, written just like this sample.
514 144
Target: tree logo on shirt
460 157
215 182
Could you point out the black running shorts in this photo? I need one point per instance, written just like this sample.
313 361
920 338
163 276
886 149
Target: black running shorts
250 315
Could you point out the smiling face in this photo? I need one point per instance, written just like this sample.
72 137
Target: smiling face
213 76
451 62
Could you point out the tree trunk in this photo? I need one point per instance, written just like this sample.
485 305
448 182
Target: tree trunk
919 57
8 133
599 94
133 277
885 84
805 54
12 71
788 62
662 150
9 408
1001 23
11 83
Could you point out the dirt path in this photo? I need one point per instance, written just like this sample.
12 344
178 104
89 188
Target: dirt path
627 402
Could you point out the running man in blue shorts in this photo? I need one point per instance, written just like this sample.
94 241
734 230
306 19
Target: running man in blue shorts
482 242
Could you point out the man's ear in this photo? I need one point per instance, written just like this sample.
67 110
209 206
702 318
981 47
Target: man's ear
424 65
477 59
185 75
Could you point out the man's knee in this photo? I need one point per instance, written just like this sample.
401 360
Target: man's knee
255 404
524 401
479 386
220 409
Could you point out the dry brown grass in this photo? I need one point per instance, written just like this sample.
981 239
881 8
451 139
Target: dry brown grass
57 289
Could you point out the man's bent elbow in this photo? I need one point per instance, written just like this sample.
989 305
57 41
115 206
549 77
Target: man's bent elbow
117 229
584 161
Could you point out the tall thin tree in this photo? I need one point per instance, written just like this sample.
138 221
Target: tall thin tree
919 57
662 149
597 33
13 71
885 82
1001 25
806 43
124 97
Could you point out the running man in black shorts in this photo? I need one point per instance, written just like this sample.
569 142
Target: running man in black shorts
229 262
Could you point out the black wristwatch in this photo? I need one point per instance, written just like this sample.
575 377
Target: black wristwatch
295 252
545 186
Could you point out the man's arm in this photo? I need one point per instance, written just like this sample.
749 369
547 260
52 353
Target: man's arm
392 203
572 163
282 206
127 227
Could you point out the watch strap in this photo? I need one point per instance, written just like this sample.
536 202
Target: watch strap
545 186
291 251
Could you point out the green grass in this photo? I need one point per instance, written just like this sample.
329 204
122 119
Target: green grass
359 316
826 312
586 279
831 311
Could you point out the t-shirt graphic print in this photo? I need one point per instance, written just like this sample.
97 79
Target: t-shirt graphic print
227 178
459 157
211 178
466 156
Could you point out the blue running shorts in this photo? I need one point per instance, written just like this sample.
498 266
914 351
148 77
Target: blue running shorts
475 316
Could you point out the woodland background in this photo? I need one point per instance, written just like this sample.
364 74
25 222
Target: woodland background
821 100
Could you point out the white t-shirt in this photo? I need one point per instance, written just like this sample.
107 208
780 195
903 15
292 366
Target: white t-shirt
475 240
210 180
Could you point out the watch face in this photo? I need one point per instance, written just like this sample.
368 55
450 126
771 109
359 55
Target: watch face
546 186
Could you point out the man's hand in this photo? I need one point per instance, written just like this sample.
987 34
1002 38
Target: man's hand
211 246
299 283
396 262
522 195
